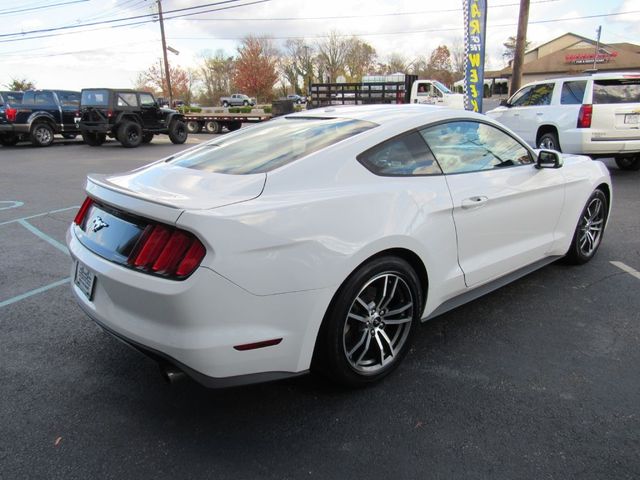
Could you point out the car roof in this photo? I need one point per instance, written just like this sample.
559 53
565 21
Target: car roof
418 114
587 76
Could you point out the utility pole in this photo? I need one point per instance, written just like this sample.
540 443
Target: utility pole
595 57
521 40
164 53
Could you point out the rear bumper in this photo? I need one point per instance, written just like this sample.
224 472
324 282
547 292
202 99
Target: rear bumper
580 141
6 128
195 324
95 128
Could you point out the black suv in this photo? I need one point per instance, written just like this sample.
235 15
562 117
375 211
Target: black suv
131 116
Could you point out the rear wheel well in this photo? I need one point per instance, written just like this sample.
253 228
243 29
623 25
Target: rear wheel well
607 192
546 129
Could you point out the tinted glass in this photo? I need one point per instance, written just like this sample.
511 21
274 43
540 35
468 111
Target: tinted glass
12 98
95 97
617 91
520 97
401 156
572 92
146 100
540 95
471 146
44 98
69 99
127 100
270 145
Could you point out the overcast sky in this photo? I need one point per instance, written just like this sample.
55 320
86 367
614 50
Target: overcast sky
112 57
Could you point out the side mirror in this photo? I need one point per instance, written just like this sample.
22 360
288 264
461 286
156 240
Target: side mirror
548 159
505 103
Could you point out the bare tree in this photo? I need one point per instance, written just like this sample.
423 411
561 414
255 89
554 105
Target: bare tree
397 63
360 59
301 56
216 76
332 53
457 57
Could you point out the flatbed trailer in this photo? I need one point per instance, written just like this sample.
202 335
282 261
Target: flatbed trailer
215 122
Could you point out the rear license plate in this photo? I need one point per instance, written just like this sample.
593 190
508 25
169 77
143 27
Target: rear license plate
631 118
85 279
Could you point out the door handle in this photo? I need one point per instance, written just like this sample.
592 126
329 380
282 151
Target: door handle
474 202
539 114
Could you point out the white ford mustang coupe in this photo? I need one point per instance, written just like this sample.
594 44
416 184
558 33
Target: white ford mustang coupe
322 239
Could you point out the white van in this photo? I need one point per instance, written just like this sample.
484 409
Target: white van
596 115
433 92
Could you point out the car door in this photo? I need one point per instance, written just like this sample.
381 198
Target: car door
70 109
505 210
151 113
534 112
510 113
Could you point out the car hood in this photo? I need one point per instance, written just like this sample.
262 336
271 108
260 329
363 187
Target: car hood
183 188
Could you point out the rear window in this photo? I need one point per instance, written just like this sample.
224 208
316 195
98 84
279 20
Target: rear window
96 98
617 91
271 145
12 98
573 92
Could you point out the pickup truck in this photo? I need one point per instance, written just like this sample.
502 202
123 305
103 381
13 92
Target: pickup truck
8 102
41 115
237 100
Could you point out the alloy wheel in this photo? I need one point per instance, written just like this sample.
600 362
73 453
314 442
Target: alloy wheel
43 135
378 323
591 226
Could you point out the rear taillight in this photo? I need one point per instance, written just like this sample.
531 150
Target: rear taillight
167 251
109 114
11 114
82 213
584 117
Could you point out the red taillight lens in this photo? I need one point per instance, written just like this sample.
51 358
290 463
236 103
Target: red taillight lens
109 114
584 117
167 251
11 114
84 208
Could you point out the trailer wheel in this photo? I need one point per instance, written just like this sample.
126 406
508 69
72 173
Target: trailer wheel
213 127
233 126
193 126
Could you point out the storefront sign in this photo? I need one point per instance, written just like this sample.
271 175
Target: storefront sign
583 58
475 27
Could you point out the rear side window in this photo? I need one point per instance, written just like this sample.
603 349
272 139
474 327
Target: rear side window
572 92
127 100
44 98
69 99
401 156
626 90
270 145
12 98
96 98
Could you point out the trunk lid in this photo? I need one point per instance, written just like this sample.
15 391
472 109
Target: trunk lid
183 188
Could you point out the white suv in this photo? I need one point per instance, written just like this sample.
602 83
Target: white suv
596 115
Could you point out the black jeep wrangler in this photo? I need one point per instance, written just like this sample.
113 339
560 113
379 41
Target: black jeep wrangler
131 116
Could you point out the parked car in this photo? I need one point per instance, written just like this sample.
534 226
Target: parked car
8 112
237 100
596 115
130 116
322 239
298 99
41 115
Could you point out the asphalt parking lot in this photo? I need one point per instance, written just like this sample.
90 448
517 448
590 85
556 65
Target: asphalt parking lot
540 379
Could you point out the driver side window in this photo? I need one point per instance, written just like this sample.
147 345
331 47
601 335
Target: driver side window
521 97
470 146
146 100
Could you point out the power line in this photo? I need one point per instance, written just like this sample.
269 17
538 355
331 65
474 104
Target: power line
11 12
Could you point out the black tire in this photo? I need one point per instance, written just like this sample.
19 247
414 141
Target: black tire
178 132
147 137
245 103
628 163
41 135
549 141
9 140
345 334
225 104
298 101
129 134
94 139
69 136
193 126
233 126
212 126
590 229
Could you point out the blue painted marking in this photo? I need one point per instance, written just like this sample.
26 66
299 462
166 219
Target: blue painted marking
36 291
39 215
14 204
44 236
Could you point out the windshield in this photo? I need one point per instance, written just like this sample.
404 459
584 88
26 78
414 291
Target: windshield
95 98
271 145
441 87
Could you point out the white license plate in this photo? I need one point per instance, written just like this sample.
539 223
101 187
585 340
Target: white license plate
85 279
631 118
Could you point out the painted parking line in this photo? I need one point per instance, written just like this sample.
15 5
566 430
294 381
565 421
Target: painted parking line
33 292
7 222
39 233
11 204
626 268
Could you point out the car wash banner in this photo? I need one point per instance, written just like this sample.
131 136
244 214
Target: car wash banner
475 28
